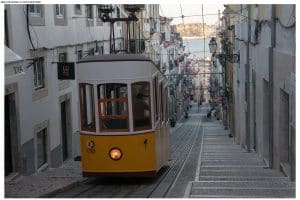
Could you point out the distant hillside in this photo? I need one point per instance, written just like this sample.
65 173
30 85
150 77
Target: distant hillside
195 30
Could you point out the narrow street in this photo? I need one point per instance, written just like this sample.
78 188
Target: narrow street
228 171
205 162
198 98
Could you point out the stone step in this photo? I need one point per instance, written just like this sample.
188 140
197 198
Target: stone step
221 152
228 154
241 192
244 184
240 172
215 129
242 178
232 153
208 158
216 142
231 167
232 162
215 146
236 150
220 138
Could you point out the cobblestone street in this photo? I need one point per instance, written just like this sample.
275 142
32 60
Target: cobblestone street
222 169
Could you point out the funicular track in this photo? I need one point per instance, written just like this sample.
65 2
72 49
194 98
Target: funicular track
182 141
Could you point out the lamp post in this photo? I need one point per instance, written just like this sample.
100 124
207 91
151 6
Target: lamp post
233 58
223 58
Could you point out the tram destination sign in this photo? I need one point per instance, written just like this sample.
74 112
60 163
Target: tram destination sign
66 70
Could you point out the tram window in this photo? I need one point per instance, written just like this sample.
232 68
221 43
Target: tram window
141 105
161 102
87 109
113 107
155 98
166 104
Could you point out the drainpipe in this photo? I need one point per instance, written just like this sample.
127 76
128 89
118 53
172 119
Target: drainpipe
248 108
271 79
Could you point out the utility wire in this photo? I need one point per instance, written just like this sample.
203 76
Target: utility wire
187 43
203 32
203 38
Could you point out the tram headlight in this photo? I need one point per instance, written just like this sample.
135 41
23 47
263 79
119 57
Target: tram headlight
115 154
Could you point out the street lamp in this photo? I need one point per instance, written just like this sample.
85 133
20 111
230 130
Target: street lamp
212 45
233 58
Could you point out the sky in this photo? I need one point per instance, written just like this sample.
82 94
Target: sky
174 10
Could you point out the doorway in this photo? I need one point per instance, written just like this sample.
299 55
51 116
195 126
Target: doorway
266 121
8 153
284 146
11 136
65 129
254 112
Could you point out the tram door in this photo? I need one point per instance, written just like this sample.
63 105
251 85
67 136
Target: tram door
65 128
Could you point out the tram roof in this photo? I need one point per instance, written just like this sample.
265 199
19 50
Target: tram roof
115 57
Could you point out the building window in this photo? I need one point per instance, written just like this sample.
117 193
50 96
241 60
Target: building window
62 57
87 108
77 9
118 12
41 140
98 12
113 107
89 12
100 48
6 37
118 15
34 9
38 70
98 15
79 54
101 52
60 15
60 11
141 105
91 52
35 14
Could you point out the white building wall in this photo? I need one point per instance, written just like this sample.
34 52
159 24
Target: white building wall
38 108
283 69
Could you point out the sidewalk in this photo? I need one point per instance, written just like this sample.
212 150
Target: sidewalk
228 171
39 184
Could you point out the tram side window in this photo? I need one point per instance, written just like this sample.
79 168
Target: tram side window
141 105
166 104
155 99
87 108
161 102
113 107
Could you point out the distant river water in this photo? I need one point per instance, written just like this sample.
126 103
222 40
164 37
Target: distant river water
196 47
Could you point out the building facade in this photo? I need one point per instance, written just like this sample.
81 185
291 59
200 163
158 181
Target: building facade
173 63
42 110
263 81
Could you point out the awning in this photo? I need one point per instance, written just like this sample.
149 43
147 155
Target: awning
11 56
13 65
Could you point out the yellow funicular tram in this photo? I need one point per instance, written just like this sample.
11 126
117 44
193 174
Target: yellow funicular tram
123 115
